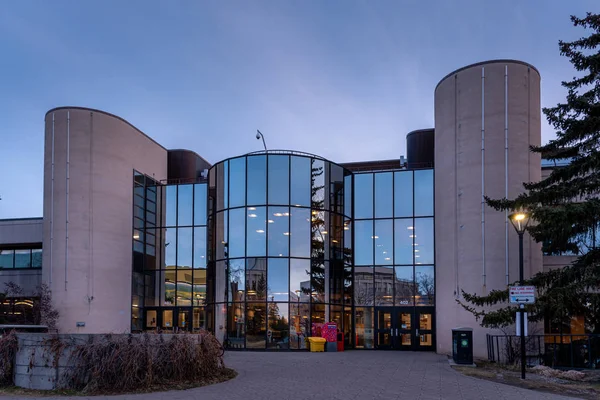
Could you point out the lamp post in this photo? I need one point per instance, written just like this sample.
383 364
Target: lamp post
259 136
519 221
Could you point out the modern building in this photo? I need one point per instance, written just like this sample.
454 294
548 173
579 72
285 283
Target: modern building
259 247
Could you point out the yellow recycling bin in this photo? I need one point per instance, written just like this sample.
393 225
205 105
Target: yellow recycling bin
317 344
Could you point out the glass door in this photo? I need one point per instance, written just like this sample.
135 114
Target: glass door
384 328
184 320
404 328
425 328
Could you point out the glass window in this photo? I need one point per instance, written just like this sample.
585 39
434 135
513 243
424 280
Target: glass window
257 180
318 183
171 205
200 247
384 286
222 190
300 184
363 242
23 258
363 196
36 258
237 182
423 235
384 195
199 318
170 248
403 194
336 191
424 192
184 248
319 279
278 326
404 286
256 279
348 285
237 238
278 225
184 205
235 326
167 319
151 319
347 242
278 282
299 280
6 258
300 232
299 325
184 288
255 325
200 204
168 287
363 320
317 316
384 242
348 195
279 179
403 241
199 287
256 232
363 286
336 282
237 280
425 282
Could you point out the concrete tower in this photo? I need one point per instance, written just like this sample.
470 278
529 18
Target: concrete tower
486 117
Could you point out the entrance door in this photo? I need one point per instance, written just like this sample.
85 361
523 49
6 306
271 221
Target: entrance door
425 329
384 328
404 328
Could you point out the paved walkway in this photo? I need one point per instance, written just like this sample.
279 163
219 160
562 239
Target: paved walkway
345 376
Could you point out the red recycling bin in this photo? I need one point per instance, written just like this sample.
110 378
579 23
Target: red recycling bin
340 341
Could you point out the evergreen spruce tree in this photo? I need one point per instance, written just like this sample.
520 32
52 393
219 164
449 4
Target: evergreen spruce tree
565 206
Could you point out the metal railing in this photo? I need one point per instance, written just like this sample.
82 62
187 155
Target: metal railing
556 351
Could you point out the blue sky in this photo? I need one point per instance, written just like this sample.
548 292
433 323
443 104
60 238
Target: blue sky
344 79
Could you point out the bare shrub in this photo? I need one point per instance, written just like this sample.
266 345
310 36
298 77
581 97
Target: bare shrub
121 363
8 350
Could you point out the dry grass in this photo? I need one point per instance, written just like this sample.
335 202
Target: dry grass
8 350
589 388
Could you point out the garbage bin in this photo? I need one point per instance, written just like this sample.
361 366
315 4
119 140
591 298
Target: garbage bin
340 341
462 345
317 344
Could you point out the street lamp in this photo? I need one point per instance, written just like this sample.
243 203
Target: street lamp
519 221
259 136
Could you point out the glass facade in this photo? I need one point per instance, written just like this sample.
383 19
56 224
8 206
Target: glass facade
279 261
394 257
169 255
276 243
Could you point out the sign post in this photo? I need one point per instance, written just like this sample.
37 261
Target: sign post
522 295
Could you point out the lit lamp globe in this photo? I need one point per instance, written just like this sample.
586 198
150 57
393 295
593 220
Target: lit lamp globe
519 221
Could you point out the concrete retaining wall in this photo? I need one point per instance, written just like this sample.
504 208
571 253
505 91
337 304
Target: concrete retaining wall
35 364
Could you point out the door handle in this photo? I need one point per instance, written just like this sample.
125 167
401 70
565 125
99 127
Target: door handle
396 331
417 332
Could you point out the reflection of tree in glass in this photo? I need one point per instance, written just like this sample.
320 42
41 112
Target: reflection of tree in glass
426 286
277 322
317 229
